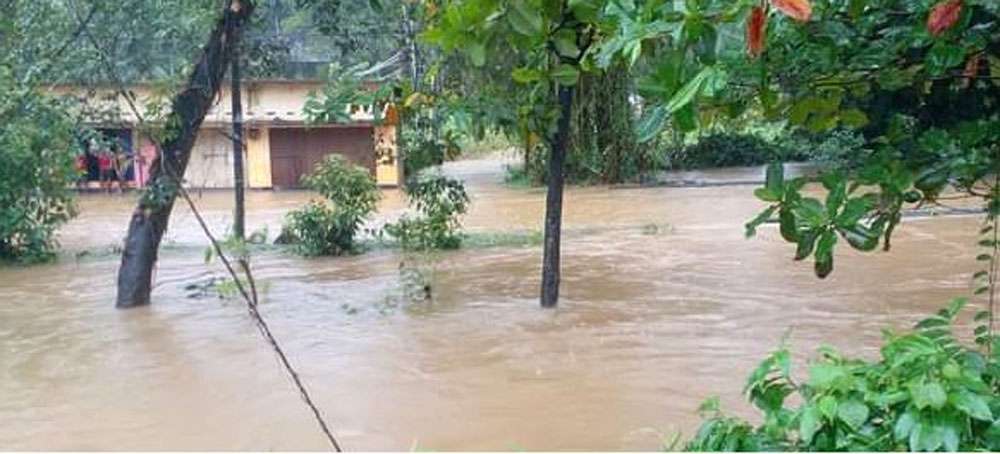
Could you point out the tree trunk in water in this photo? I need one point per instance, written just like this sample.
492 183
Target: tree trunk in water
239 217
151 216
553 201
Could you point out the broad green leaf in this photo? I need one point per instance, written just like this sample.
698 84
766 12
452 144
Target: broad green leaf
585 10
823 376
930 394
566 75
526 75
853 412
650 125
905 424
809 423
824 253
689 91
524 18
974 405
828 407
565 42
854 118
476 52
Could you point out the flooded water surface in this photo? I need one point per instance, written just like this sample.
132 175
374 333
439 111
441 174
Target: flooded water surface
664 303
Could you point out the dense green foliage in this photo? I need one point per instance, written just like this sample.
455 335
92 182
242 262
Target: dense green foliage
440 201
925 98
728 150
927 392
330 227
38 148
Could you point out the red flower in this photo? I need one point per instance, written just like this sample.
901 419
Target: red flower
799 10
756 31
943 16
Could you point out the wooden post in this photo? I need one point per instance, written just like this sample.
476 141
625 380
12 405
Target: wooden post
239 216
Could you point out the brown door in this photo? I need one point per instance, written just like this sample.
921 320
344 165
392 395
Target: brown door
296 151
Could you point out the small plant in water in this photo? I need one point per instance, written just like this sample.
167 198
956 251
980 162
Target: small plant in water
440 201
330 227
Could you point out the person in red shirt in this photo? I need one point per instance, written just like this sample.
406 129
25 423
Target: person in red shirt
105 164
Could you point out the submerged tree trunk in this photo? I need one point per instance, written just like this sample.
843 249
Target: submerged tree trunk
554 199
239 216
150 218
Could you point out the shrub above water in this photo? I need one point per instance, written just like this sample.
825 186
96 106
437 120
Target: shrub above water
37 153
927 392
440 201
329 227
728 150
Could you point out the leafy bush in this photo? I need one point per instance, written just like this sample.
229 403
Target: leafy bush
440 201
330 227
729 150
840 148
37 156
927 392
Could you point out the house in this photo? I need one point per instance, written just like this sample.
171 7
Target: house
281 145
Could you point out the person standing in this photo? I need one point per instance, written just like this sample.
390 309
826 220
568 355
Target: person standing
105 165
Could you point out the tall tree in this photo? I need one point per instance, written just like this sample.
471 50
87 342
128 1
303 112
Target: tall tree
554 38
151 216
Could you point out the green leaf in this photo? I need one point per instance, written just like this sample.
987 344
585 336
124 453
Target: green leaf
811 211
974 405
764 216
944 56
904 425
566 75
824 253
650 125
828 407
526 75
860 237
789 230
767 194
853 412
823 376
853 118
689 91
585 10
524 18
476 52
565 42
806 244
930 394
809 423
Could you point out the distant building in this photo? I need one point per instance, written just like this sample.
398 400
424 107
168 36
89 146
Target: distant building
280 146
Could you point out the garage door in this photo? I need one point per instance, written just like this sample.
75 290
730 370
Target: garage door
296 151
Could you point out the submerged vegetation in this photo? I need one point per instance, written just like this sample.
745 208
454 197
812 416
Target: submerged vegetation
898 99
440 201
330 226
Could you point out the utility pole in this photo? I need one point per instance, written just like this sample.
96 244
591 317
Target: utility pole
239 215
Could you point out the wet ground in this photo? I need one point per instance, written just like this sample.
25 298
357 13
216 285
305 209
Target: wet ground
664 304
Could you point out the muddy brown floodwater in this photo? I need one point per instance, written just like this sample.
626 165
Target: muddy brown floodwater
664 304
